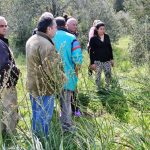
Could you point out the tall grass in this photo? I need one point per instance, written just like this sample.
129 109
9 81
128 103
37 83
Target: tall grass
119 119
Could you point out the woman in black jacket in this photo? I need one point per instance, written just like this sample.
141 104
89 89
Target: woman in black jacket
101 55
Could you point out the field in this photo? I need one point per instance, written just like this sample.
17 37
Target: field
115 120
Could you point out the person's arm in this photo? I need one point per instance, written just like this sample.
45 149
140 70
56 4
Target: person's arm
92 53
92 50
5 62
111 52
76 55
91 33
52 64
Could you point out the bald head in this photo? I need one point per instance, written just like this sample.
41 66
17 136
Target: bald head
72 25
3 26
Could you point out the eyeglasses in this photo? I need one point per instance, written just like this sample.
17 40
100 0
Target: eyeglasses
2 26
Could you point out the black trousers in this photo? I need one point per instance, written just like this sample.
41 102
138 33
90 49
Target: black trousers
74 105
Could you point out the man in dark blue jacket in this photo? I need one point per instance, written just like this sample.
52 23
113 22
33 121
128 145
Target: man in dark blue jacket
8 80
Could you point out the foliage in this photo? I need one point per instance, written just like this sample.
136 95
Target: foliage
22 16
140 26
118 5
87 11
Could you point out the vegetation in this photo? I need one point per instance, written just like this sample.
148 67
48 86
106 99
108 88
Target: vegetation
119 119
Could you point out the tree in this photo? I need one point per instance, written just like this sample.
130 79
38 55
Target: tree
140 12
118 5
23 15
87 11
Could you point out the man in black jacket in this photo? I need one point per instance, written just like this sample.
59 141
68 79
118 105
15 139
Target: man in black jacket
8 80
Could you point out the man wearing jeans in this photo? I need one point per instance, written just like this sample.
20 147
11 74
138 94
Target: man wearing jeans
70 52
44 73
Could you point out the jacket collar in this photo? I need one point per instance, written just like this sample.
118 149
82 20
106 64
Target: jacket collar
63 29
44 35
4 39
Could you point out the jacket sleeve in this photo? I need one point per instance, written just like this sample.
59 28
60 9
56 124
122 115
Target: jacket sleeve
76 53
110 48
4 57
92 52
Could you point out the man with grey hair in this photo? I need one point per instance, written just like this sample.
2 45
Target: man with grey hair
44 73
3 29
72 26
8 79
44 15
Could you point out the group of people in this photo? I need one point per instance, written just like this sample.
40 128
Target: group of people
53 57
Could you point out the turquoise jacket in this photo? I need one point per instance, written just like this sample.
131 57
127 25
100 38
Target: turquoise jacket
70 52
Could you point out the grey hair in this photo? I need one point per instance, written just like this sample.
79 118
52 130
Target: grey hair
2 18
46 15
70 20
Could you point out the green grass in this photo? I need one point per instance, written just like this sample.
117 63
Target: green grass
116 120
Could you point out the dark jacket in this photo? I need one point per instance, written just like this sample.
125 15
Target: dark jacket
8 70
4 40
100 51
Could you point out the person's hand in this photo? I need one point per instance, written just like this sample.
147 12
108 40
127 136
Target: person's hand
77 68
93 67
76 71
112 63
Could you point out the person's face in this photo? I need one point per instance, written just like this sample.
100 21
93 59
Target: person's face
52 30
72 26
101 30
3 27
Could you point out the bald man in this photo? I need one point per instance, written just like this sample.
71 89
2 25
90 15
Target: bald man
8 79
72 26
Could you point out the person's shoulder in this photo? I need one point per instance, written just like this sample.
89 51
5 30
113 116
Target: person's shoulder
70 35
31 40
94 38
1 42
3 45
41 40
106 35
92 28
64 33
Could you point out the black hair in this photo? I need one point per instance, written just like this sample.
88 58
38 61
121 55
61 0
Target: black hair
97 27
66 17
44 23
60 21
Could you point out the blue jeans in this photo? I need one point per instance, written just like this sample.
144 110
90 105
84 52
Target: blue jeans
42 111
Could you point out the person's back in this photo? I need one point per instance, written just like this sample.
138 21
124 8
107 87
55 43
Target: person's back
67 46
70 51
38 48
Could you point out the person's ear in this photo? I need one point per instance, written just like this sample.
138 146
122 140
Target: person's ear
49 29
66 26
